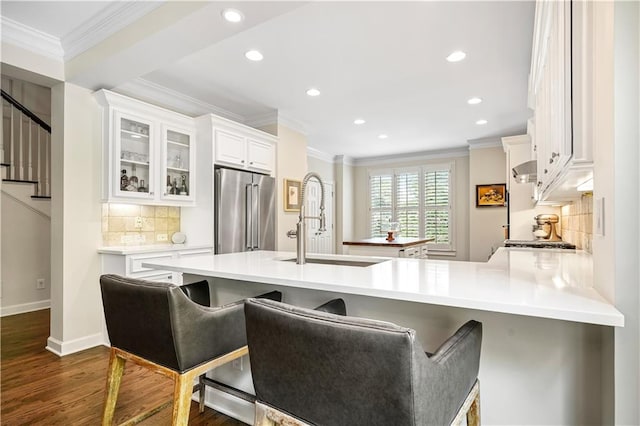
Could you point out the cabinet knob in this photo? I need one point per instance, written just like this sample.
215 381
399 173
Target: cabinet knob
151 193
242 161
554 155
251 162
551 160
546 171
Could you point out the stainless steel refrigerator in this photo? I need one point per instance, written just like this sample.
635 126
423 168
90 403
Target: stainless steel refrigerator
245 211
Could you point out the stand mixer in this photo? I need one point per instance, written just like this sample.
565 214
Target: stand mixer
547 221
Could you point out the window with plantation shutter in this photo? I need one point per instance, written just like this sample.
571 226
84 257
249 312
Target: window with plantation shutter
437 206
407 206
381 203
420 199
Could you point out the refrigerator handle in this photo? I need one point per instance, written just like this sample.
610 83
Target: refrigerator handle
248 231
256 215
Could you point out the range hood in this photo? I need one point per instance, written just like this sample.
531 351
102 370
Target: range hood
526 172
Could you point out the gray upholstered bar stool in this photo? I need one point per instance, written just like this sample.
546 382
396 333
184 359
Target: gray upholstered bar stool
158 327
315 368
198 292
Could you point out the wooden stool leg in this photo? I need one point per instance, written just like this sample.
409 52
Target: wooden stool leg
473 415
182 391
201 390
114 377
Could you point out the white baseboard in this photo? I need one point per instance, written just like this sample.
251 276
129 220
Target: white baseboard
24 307
76 345
228 404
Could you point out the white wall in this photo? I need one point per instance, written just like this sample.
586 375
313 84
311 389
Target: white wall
25 231
486 166
347 215
326 169
291 163
625 236
25 257
76 220
34 97
27 65
461 200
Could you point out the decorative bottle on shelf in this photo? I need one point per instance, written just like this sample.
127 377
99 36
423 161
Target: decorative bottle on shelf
183 188
133 180
169 184
174 187
142 188
124 180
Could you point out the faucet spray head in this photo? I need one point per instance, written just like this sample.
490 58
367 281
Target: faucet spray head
323 220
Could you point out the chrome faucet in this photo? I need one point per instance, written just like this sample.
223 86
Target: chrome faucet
301 227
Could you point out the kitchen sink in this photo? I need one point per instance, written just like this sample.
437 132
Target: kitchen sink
340 262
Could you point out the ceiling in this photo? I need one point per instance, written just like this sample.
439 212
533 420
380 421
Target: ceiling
383 62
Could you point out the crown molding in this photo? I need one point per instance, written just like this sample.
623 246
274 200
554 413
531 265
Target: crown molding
171 99
28 38
344 159
416 156
292 123
511 141
320 155
110 20
485 143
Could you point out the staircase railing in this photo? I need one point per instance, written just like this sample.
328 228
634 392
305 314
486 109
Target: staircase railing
26 146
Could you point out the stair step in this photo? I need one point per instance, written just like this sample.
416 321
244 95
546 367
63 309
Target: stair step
20 181
41 197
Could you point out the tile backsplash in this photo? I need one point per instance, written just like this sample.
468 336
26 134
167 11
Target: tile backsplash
132 225
577 222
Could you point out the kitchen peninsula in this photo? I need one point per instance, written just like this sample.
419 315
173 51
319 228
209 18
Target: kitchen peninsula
544 324
380 246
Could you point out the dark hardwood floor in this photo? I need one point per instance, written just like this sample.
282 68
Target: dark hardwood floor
39 388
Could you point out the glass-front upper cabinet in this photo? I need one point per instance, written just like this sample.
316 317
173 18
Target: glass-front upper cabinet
148 153
135 152
178 162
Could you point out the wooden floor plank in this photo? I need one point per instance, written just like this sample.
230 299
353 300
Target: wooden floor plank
40 388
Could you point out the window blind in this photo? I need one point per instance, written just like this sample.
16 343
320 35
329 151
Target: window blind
408 203
381 199
437 207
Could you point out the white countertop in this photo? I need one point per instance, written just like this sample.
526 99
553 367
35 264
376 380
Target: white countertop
546 283
150 248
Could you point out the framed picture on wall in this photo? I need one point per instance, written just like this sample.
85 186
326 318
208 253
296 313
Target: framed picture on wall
493 195
292 195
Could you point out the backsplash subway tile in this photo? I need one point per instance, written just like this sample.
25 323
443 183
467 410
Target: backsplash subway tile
577 222
131 225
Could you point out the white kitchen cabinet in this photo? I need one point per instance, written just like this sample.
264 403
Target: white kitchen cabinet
127 261
260 155
178 164
550 90
230 149
148 153
242 147
560 90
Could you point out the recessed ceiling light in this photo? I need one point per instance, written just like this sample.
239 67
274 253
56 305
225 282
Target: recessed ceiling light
254 55
474 101
359 121
456 56
481 122
232 15
383 136
313 92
